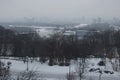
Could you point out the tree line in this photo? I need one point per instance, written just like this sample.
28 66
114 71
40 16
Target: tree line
59 48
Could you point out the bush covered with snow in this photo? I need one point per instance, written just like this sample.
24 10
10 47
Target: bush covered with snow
4 70
101 63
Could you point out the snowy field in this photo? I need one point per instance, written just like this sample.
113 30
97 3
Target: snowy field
59 72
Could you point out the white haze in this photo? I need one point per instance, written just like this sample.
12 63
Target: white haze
18 9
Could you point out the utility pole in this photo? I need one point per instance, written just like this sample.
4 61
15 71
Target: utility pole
27 62
69 72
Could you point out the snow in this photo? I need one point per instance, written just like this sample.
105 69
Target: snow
116 28
43 69
57 72
81 25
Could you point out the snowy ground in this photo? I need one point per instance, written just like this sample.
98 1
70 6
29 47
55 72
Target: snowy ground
44 70
59 73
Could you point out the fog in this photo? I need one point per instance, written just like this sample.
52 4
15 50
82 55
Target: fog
18 9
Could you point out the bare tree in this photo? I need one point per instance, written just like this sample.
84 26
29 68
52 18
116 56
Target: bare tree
81 68
100 75
71 76
28 75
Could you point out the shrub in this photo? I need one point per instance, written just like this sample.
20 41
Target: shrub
43 60
51 62
61 64
101 63
9 63
67 64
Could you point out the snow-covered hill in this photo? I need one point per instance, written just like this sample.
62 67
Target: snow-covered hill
92 69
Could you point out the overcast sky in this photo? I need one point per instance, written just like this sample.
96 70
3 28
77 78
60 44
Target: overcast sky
18 9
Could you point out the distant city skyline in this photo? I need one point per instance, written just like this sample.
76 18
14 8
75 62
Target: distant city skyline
15 10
